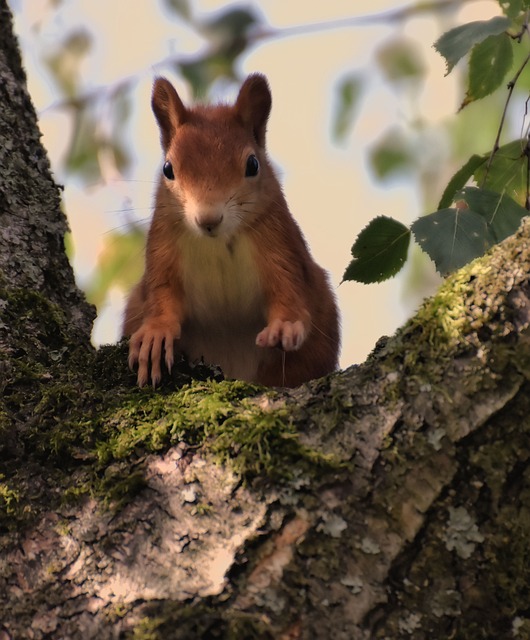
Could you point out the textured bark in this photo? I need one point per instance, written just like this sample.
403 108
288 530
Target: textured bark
32 225
388 501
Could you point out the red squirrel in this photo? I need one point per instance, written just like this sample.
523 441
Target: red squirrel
228 275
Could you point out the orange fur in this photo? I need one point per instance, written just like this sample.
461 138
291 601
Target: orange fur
228 275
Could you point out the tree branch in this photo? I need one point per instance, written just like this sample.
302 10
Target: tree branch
257 35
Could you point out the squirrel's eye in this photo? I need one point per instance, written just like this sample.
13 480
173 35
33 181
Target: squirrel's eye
252 167
168 170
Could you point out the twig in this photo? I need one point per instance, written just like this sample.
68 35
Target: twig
510 86
527 198
400 14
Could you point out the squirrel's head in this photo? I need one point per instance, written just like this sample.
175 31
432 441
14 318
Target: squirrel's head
215 158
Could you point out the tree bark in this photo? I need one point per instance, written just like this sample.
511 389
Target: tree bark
32 257
390 500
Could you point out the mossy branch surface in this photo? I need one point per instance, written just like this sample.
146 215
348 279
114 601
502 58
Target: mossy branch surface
408 470
387 501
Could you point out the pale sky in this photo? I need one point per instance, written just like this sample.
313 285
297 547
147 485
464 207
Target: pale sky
329 187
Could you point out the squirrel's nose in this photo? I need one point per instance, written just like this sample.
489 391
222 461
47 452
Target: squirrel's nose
209 223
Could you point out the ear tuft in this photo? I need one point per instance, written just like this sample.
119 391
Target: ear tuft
253 106
168 108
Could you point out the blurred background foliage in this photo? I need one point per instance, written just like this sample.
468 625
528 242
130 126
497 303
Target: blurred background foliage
486 199
411 147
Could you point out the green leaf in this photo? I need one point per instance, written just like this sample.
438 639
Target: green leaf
65 63
82 154
117 263
180 7
202 73
454 44
391 155
379 251
89 140
513 8
229 37
230 25
489 63
507 172
452 237
459 180
349 92
502 214
401 59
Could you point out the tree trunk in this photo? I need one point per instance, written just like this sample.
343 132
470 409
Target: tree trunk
390 500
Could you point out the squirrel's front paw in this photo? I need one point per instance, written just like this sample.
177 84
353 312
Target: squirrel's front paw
146 346
283 333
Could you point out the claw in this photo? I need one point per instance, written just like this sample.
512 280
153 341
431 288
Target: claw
168 345
282 333
146 349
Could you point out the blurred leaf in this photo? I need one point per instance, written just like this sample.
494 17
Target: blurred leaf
349 92
489 63
502 214
459 180
92 137
180 7
119 263
454 44
391 155
82 154
228 26
117 141
228 34
65 63
202 73
452 237
379 251
507 172
401 59
513 8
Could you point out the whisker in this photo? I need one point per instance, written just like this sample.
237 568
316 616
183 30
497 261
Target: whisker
126 226
323 333
116 181
127 209
244 203
244 222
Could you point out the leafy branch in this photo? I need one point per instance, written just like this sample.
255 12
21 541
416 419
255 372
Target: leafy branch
101 113
485 200
462 227
511 87
228 35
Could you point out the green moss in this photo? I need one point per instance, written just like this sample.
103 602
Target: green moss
81 421
117 611
147 629
471 312
221 417
25 308
118 486
203 509
175 621
90 438
9 497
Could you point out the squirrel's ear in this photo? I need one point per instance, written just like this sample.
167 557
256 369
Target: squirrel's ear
168 108
253 106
